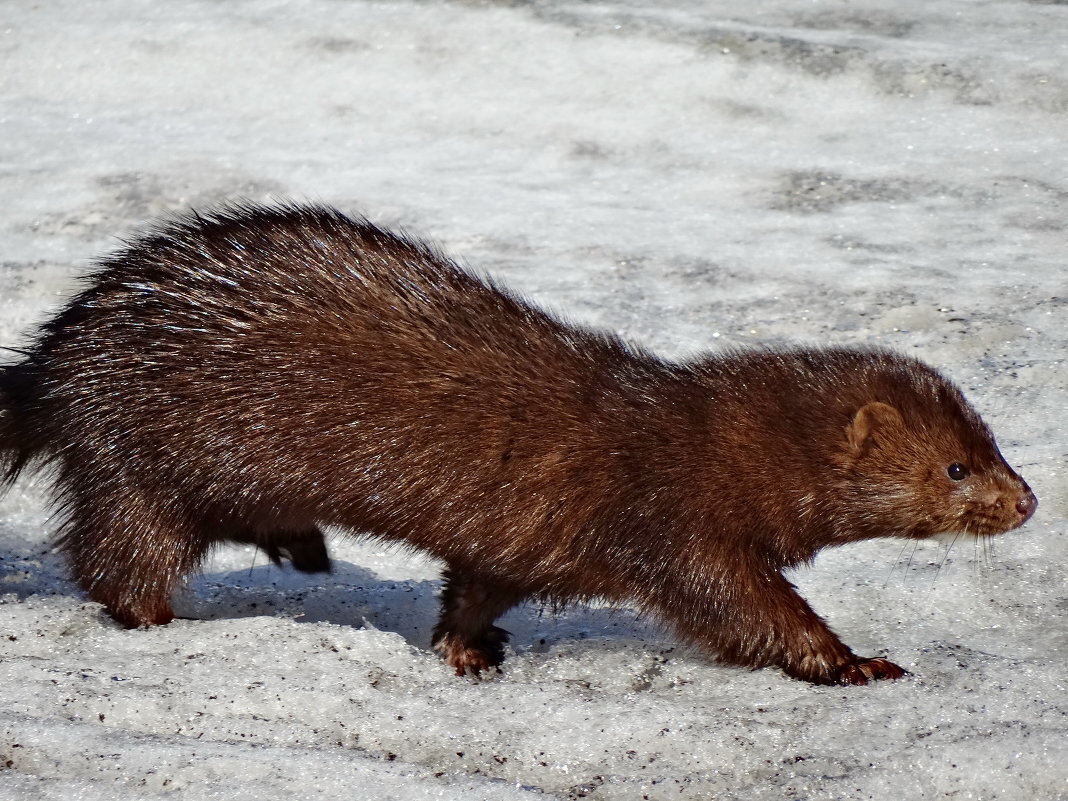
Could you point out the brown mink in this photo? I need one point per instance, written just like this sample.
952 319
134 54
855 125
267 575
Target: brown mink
257 373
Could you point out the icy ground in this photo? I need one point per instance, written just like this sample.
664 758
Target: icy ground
694 174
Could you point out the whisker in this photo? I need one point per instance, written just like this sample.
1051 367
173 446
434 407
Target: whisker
945 556
915 547
949 546
985 551
897 561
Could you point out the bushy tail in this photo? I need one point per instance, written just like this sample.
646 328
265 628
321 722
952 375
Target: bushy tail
14 451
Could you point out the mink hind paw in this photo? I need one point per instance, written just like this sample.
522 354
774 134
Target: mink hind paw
472 656
862 671
307 555
136 618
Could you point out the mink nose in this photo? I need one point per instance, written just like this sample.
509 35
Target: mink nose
1026 505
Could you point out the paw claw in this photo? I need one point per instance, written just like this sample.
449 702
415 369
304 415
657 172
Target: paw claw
472 658
863 671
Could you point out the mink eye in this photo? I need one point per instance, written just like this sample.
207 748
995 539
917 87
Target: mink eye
957 471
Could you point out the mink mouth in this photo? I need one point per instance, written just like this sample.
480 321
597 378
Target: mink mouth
950 538
976 527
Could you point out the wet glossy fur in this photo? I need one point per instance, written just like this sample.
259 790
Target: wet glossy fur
260 372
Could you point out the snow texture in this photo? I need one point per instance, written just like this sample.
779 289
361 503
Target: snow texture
694 174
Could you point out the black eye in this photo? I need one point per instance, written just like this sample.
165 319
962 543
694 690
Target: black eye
957 471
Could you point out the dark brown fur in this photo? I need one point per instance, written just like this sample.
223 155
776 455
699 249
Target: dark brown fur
255 374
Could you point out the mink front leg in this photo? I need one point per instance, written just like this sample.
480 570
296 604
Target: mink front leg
753 617
465 635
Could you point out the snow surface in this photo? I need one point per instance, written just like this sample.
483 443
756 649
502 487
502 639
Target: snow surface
694 174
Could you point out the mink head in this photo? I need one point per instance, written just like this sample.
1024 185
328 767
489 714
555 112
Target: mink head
923 463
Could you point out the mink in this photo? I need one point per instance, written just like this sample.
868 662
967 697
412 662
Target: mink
259 372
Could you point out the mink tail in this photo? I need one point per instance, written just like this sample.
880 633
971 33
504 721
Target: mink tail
15 451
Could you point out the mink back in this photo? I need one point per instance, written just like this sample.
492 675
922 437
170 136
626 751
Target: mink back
291 365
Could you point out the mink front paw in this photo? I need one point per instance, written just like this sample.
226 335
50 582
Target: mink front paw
485 653
862 671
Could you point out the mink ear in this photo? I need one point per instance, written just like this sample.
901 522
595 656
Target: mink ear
870 418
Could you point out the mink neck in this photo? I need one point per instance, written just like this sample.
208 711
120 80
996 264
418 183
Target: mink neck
723 474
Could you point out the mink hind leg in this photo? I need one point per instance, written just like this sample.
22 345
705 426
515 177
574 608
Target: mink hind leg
303 546
128 553
465 635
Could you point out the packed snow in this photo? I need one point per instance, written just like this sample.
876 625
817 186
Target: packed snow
695 174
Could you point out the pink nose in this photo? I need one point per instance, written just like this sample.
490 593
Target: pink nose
1026 505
